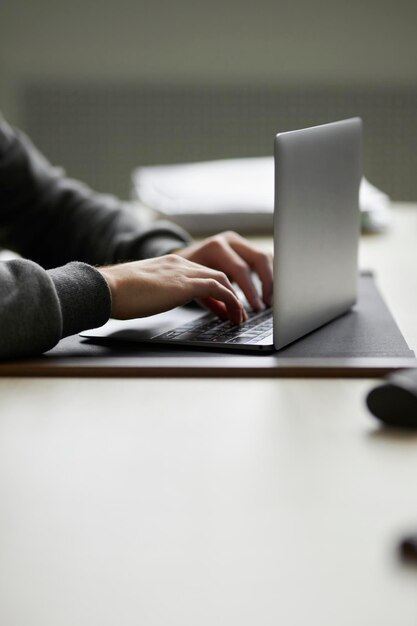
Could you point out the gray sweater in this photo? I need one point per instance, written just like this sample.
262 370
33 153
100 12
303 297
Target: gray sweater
62 229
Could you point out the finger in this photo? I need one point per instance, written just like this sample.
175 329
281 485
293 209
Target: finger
219 309
219 277
196 270
260 262
211 288
240 272
220 286
220 254
214 306
264 269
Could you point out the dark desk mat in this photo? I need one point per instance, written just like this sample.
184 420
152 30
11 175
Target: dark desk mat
364 342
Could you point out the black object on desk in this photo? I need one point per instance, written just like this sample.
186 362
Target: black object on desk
408 548
395 402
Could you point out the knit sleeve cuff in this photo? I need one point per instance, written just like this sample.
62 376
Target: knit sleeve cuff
84 297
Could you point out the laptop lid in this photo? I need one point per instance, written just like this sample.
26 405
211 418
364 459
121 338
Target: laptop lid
316 226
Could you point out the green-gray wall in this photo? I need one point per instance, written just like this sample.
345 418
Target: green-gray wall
358 44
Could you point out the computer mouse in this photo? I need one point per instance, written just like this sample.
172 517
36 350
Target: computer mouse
395 401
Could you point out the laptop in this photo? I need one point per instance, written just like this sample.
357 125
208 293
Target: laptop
318 171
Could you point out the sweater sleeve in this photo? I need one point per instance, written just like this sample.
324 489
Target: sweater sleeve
39 307
52 219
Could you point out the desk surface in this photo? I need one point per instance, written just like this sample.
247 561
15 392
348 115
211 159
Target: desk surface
235 502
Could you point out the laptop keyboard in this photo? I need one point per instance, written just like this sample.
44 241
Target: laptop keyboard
209 328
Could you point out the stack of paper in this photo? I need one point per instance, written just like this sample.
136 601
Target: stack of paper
233 194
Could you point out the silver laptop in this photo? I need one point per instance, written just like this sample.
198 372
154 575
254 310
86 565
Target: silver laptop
316 232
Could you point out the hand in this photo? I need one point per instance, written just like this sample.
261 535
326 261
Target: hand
237 258
152 286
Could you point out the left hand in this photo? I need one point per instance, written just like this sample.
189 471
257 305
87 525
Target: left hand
237 258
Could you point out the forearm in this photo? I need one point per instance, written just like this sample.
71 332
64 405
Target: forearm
38 307
52 219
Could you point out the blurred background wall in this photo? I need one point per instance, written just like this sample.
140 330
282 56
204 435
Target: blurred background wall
105 86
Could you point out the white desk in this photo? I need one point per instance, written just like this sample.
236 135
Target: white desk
210 502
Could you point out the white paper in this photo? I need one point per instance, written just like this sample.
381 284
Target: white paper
230 193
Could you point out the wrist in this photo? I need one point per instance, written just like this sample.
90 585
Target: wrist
109 276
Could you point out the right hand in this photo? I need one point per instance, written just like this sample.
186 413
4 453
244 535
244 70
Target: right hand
143 288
